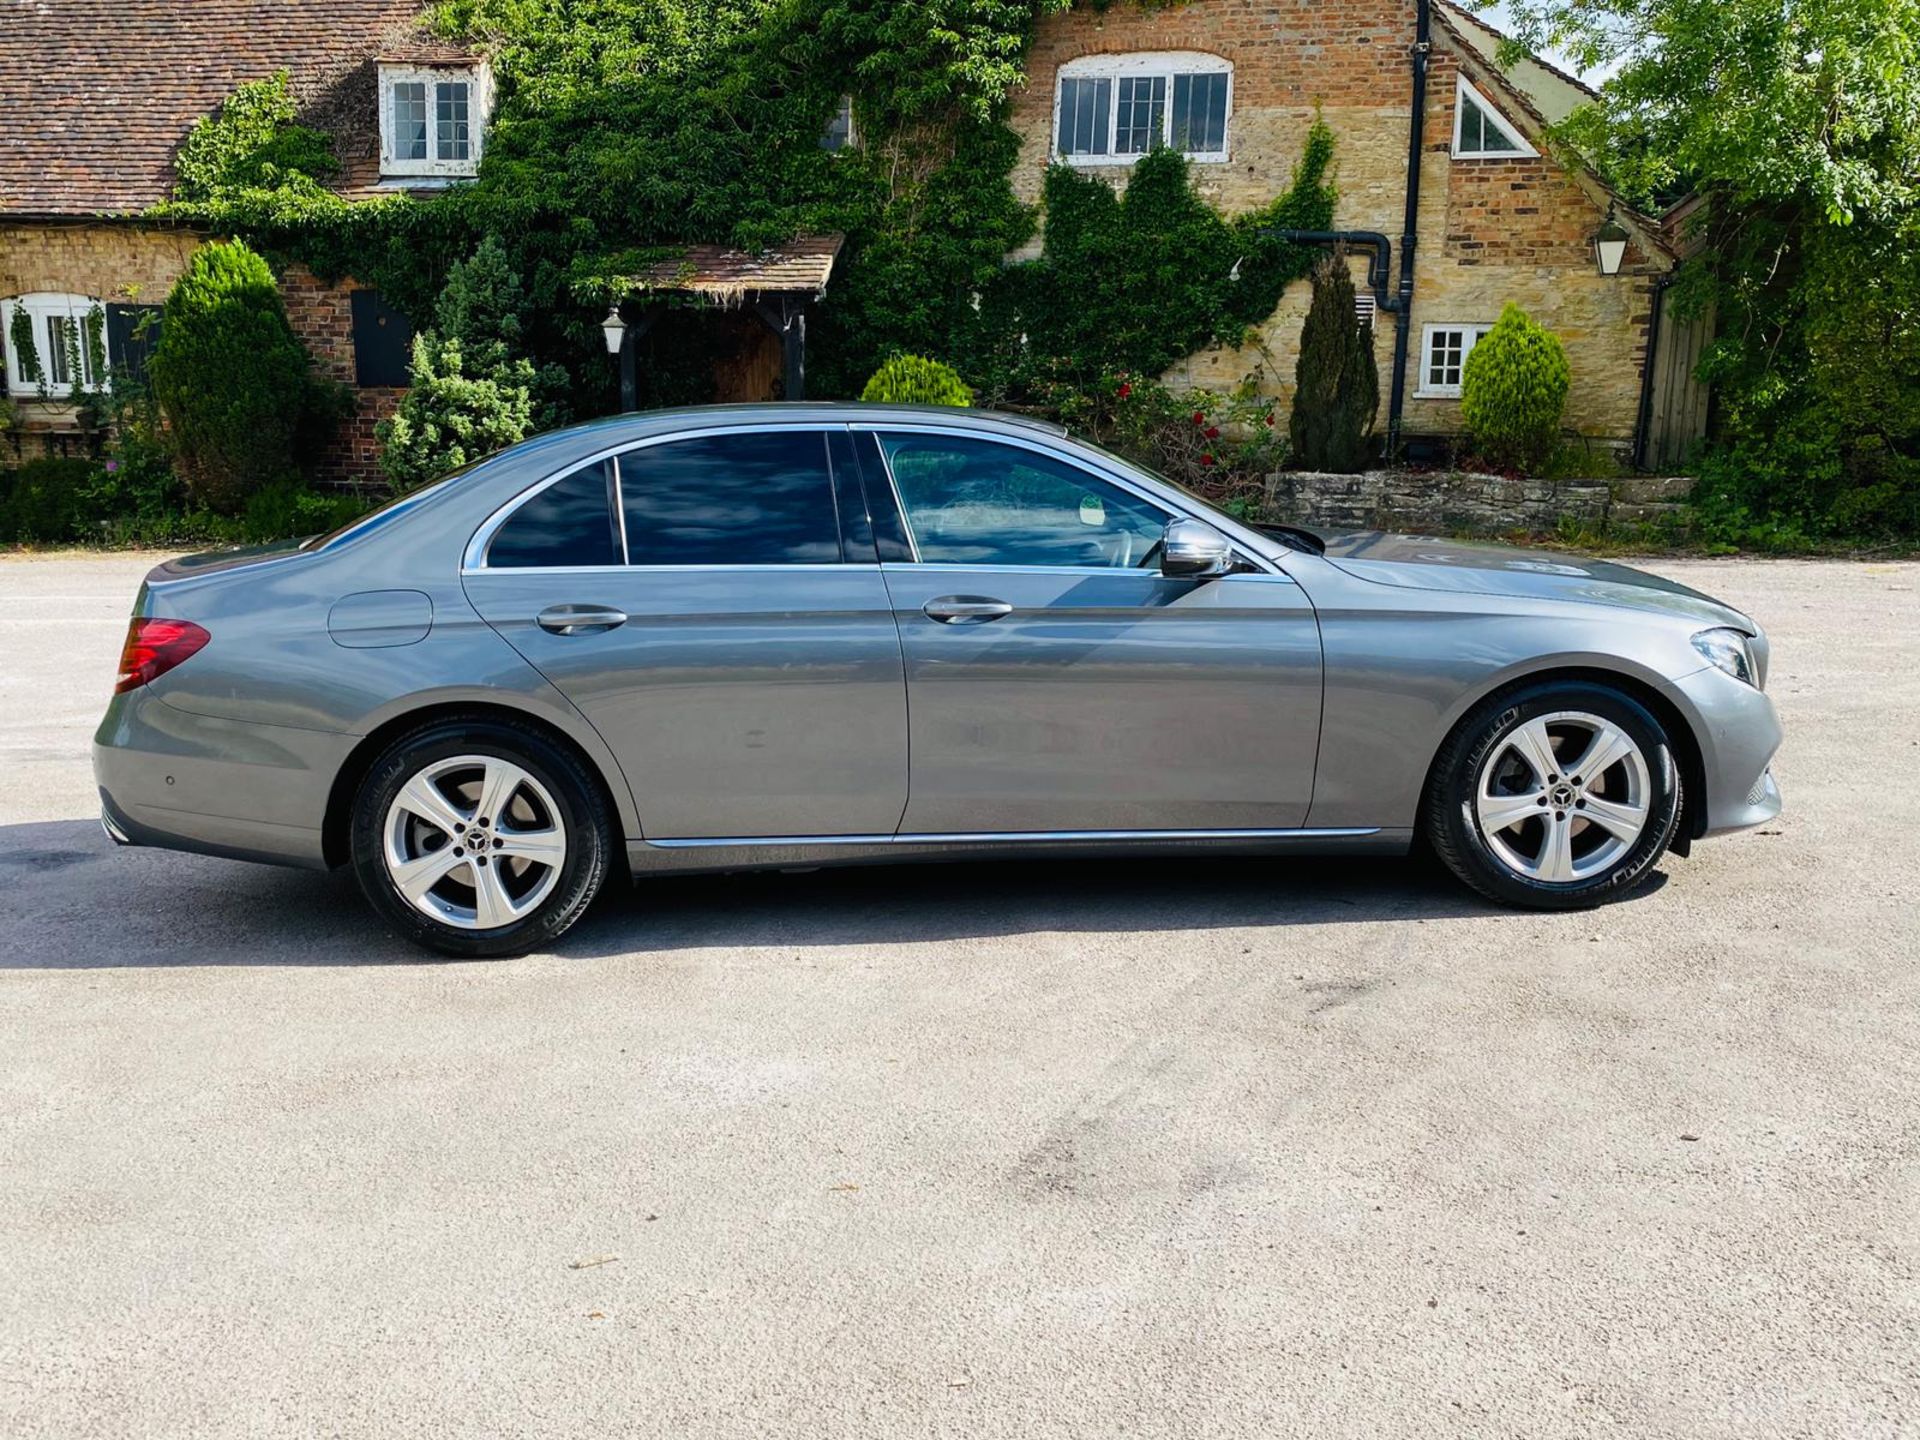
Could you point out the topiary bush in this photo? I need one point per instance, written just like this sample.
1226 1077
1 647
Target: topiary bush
234 382
1513 392
1336 383
472 389
915 380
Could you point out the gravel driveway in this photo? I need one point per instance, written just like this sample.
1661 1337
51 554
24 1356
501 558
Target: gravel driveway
1239 1149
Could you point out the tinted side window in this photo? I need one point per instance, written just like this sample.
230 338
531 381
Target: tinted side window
975 502
750 499
571 522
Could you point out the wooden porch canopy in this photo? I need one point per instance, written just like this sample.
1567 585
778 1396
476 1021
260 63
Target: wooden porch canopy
778 285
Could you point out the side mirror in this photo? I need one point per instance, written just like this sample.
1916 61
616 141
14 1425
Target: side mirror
1194 550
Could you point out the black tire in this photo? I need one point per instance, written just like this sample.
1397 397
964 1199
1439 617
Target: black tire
581 813
1452 824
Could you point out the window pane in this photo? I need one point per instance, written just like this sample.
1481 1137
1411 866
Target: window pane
58 371
839 131
452 141
409 120
569 523
975 502
1142 117
1478 132
764 499
1084 114
1200 114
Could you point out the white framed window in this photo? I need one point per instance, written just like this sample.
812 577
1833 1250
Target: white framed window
840 133
1112 109
1481 132
432 122
69 334
1443 357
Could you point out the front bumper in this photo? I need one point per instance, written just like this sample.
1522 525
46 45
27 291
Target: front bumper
1739 734
179 781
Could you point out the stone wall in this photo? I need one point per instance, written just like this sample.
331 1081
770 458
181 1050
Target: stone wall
1489 230
134 263
1457 503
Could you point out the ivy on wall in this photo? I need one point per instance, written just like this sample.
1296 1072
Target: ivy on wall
627 128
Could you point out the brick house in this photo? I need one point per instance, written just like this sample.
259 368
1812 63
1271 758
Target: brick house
1236 83
98 95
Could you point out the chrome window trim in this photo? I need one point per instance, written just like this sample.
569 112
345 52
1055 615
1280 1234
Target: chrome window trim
473 559
809 567
1166 504
620 511
960 566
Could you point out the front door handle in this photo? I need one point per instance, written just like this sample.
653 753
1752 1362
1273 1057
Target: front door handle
966 609
580 619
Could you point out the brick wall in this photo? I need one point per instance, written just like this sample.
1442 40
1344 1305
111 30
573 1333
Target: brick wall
128 262
1489 230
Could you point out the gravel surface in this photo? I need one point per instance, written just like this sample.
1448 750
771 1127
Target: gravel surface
1237 1149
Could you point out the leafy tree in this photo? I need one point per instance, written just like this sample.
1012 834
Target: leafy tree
473 390
914 380
1513 391
1798 121
234 382
1336 383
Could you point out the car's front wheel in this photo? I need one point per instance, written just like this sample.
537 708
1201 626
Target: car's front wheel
480 839
1557 797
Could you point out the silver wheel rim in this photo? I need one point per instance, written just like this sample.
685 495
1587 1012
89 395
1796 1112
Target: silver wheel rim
1563 797
474 842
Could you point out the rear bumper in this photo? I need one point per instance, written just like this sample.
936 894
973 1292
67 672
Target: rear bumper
216 787
1739 733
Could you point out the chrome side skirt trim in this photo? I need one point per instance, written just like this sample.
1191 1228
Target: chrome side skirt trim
1045 837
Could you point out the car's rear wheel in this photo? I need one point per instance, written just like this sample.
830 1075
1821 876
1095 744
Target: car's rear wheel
480 838
1557 797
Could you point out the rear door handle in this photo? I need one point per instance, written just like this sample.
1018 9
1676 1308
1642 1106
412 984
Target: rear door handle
966 609
580 619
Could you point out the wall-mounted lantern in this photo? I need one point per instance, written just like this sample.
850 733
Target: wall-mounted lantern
1610 245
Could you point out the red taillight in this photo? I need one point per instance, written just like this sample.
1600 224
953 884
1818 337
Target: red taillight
154 647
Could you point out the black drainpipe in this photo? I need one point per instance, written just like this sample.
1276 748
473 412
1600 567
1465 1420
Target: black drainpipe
1380 258
1410 232
1643 425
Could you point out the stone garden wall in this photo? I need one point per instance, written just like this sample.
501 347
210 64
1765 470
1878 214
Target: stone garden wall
1459 503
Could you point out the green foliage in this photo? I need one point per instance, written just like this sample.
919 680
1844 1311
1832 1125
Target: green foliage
235 384
48 502
1140 280
1514 391
472 389
26 352
914 380
252 141
1220 446
1337 384
1800 126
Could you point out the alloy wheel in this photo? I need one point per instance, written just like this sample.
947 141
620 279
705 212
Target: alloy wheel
1560 798
475 842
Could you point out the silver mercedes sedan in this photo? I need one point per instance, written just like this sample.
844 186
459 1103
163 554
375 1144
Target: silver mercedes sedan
796 635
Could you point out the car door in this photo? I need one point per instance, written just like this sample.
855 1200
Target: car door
712 603
1056 681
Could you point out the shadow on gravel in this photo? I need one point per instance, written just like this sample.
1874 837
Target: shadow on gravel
71 900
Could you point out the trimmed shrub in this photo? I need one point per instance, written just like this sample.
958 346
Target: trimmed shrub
234 382
49 502
472 389
1336 384
1514 391
916 380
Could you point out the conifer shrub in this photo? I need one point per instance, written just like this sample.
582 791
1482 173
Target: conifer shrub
1336 384
1513 392
234 382
916 380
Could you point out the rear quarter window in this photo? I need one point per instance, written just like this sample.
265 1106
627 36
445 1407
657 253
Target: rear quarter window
570 523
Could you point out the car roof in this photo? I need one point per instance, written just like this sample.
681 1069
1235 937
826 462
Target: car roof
639 424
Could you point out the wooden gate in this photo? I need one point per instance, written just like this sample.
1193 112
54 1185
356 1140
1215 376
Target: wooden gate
1677 417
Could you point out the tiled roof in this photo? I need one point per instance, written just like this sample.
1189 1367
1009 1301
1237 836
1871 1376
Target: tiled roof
96 95
728 276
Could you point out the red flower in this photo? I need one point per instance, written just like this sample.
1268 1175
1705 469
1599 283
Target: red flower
1269 419
1126 389
1206 459
1213 432
1199 417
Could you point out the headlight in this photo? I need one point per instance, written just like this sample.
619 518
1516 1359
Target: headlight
1728 650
